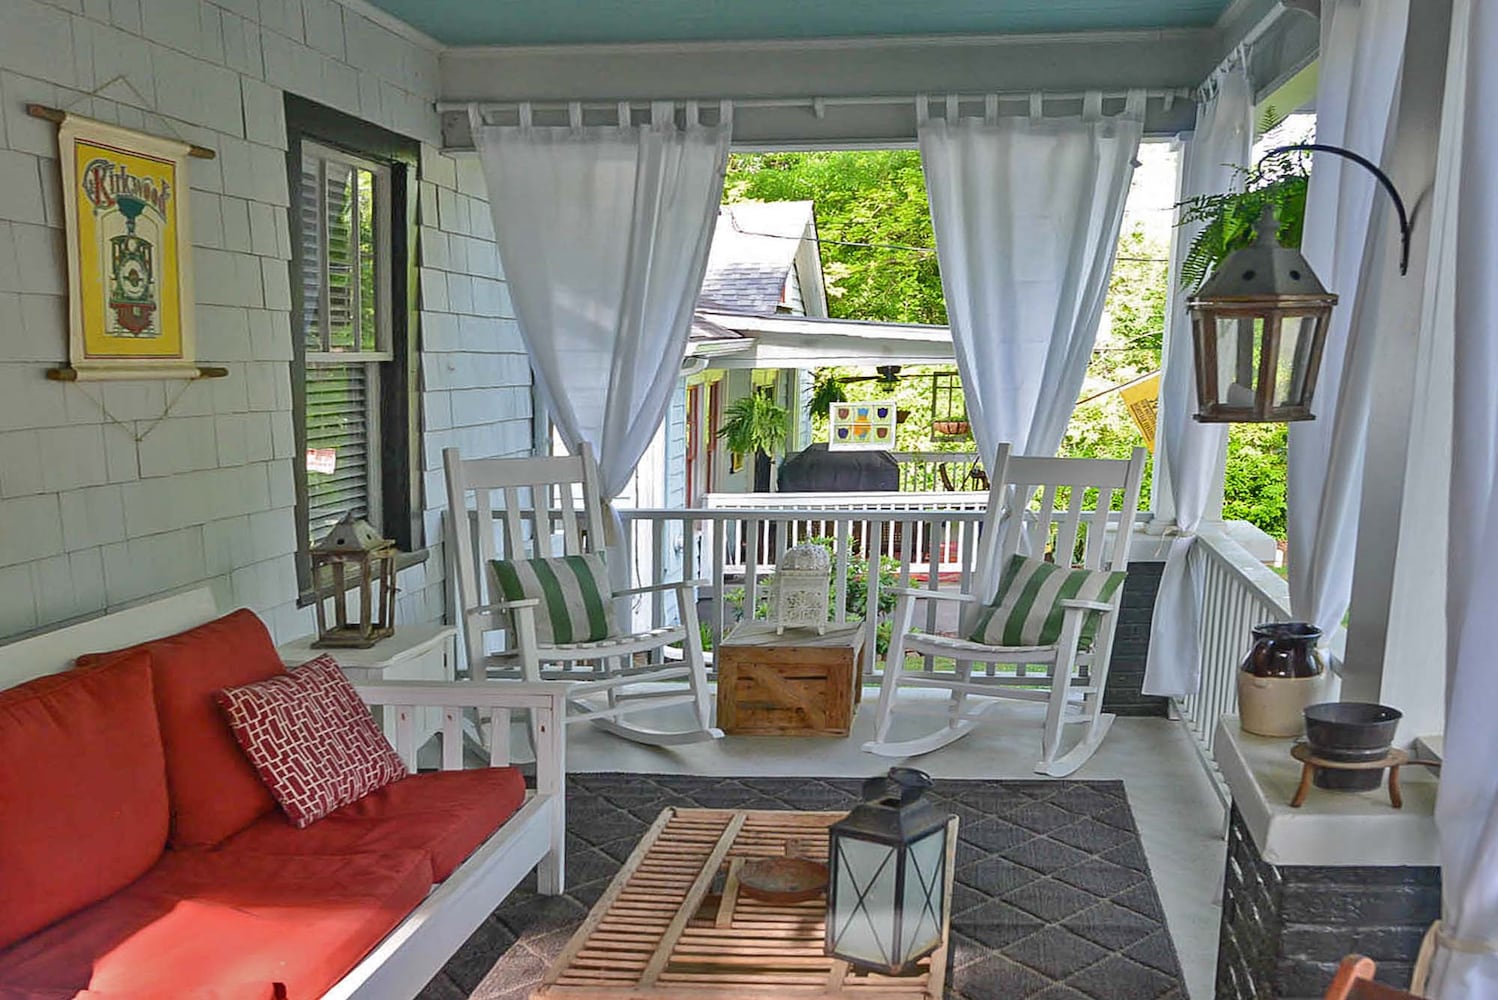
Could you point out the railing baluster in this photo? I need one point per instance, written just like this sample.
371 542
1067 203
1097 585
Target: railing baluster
718 539
840 572
657 573
752 529
933 581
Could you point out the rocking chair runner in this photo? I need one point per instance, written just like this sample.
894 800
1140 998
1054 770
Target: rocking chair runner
526 508
1070 527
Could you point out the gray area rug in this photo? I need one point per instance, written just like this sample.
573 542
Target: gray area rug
1052 898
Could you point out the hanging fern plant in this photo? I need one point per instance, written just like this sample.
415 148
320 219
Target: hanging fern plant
755 423
1229 218
826 390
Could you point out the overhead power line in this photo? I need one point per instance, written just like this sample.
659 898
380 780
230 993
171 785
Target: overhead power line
900 247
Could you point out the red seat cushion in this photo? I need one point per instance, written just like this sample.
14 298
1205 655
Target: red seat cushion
226 923
83 794
311 739
444 813
214 789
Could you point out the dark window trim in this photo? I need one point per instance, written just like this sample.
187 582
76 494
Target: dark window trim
400 438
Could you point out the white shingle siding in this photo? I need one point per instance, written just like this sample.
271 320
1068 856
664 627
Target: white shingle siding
89 517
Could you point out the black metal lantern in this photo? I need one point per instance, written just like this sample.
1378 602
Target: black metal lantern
887 878
1258 327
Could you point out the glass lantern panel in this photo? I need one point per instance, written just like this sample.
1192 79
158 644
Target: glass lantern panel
1293 360
864 918
1240 341
925 884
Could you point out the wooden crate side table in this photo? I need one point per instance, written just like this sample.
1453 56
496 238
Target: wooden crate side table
413 653
673 926
797 683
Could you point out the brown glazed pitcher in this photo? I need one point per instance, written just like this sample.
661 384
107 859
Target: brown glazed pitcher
1280 676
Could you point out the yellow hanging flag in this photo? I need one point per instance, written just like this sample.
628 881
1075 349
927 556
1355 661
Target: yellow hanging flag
1142 398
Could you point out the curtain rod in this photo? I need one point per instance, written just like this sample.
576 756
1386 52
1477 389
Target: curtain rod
817 105
1244 49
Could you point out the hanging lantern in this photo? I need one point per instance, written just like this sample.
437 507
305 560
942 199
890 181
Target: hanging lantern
353 545
887 879
1258 326
802 579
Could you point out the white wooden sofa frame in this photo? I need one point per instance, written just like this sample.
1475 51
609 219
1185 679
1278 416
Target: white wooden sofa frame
533 838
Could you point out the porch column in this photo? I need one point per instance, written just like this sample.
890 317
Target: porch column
1396 639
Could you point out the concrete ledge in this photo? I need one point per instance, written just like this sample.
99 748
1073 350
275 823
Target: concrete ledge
1332 829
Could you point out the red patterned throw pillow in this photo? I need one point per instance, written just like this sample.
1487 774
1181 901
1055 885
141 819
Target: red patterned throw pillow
312 740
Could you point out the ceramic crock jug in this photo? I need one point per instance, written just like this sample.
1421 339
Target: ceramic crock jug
1281 675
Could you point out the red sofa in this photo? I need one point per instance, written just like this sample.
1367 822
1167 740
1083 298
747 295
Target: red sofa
140 856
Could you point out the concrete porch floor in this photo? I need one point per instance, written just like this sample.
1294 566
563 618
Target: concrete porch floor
1179 818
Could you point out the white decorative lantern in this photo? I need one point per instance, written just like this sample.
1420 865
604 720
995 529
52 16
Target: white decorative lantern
801 581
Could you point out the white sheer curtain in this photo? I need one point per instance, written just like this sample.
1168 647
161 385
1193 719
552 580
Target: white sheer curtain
1466 962
1362 51
1026 212
603 235
1189 455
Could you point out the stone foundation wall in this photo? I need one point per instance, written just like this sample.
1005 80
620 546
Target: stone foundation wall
1285 928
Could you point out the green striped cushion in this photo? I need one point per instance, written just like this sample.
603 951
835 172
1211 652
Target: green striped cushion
577 603
1027 610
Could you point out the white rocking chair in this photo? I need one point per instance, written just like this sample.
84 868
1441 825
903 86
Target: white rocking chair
1075 496
526 508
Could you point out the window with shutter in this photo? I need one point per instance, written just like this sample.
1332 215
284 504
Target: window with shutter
343 272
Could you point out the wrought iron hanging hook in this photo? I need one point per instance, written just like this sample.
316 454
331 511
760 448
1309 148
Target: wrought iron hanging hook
1371 167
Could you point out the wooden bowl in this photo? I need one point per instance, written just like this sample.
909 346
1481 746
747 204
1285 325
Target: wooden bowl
782 880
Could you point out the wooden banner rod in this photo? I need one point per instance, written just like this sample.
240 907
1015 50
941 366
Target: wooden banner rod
56 116
67 373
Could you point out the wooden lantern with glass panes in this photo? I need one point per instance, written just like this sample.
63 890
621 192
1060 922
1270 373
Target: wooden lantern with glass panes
1258 328
353 556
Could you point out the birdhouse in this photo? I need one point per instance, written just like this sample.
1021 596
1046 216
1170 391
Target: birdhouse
352 555
802 578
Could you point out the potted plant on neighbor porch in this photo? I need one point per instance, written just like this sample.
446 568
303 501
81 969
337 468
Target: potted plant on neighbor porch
756 425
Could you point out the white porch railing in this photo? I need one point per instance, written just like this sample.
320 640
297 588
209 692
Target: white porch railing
1238 592
928 471
917 539
924 539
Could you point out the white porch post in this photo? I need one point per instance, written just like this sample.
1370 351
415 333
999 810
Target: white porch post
1396 639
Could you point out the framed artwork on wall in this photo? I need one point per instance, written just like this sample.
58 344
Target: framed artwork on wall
869 426
130 290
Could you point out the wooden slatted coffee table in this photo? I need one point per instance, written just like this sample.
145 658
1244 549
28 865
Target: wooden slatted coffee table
672 923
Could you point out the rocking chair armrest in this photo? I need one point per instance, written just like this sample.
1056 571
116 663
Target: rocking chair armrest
1072 605
919 593
657 587
525 602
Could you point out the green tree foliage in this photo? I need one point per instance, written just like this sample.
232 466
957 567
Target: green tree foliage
873 197
1254 485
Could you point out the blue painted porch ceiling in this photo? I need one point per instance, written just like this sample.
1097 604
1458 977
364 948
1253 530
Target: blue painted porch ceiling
571 22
